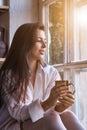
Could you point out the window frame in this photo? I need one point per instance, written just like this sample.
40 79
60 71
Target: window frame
69 35
71 67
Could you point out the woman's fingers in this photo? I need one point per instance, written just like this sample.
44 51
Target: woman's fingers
67 100
60 90
62 94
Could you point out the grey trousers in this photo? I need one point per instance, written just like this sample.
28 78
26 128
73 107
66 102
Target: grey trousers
54 121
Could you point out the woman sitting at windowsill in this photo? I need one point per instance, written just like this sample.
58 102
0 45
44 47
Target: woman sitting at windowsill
30 99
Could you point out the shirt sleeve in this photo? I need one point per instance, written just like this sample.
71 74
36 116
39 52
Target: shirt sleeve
34 110
52 76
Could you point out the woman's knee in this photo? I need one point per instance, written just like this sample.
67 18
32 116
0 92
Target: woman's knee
71 121
51 116
68 114
53 121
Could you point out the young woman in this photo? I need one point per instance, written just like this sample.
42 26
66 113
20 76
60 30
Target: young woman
29 98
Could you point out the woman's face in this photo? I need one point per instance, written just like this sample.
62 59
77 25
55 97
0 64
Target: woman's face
39 48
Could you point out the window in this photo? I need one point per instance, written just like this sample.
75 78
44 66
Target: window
66 27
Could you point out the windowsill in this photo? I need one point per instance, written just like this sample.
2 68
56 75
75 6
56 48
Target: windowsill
72 65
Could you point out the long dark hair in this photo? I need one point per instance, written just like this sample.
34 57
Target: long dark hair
16 62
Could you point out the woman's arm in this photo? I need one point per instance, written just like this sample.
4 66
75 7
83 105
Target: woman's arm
22 112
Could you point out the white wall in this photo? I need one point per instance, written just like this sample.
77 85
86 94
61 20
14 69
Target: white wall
22 11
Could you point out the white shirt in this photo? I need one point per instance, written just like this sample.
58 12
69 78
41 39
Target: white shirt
45 80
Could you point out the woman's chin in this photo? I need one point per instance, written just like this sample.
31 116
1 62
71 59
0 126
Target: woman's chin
41 58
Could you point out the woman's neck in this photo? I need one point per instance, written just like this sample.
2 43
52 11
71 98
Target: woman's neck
33 66
33 69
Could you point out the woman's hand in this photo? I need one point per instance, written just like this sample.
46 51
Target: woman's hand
65 102
56 93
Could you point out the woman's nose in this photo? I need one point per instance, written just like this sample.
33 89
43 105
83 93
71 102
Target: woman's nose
44 44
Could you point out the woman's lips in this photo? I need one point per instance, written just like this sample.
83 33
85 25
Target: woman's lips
42 52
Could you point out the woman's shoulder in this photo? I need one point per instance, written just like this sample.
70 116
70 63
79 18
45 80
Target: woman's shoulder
52 73
50 69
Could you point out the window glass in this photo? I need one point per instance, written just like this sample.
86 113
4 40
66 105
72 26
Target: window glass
56 31
81 95
83 32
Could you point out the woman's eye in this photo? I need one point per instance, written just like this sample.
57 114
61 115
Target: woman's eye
45 42
39 40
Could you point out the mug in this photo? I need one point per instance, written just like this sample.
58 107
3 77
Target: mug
70 85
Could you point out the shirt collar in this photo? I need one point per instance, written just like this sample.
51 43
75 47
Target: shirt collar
41 67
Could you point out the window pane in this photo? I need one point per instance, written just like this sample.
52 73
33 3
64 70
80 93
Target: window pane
82 36
81 95
56 30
